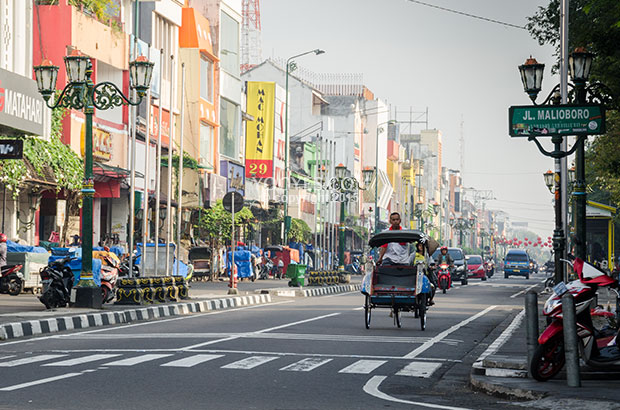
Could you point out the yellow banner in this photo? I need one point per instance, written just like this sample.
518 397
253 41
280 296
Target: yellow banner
259 133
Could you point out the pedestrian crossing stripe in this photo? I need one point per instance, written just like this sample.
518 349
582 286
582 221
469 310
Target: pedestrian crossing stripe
420 369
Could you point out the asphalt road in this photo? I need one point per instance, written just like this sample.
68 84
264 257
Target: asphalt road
310 353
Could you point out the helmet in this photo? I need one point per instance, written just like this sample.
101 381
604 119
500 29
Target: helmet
443 248
2 237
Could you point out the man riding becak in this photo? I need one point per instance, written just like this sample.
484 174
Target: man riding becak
394 253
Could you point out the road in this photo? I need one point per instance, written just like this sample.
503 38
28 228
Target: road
310 353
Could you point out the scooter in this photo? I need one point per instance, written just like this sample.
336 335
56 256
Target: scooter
265 269
109 276
443 277
11 280
57 280
123 268
490 268
548 358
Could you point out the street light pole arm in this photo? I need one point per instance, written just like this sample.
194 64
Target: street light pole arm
556 153
299 55
108 95
70 97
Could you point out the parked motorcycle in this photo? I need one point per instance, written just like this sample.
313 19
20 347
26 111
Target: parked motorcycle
109 276
57 281
443 277
548 358
11 280
265 269
123 268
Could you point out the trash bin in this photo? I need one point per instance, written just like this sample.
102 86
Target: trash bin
296 272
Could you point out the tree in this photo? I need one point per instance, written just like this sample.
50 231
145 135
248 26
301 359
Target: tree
594 24
215 223
300 231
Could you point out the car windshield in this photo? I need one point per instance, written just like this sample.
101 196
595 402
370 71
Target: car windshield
474 260
516 257
455 254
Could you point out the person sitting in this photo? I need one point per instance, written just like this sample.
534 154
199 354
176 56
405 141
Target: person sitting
394 253
419 257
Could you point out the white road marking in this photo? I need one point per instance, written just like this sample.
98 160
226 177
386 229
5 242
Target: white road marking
41 381
372 387
249 362
497 343
363 366
442 335
82 360
523 291
192 360
259 331
151 322
419 369
29 360
306 365
136 360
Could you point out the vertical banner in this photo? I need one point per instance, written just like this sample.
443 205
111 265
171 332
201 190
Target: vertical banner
259 133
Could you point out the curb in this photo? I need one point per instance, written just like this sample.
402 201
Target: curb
304 292
58 324
481 383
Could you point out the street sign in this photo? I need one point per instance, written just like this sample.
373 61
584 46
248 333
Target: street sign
233 198
550 120
11 149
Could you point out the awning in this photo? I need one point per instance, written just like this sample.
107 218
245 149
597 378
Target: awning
112 172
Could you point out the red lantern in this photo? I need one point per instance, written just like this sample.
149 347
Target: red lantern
535 245
539 239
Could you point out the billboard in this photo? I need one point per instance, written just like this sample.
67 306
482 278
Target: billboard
259 133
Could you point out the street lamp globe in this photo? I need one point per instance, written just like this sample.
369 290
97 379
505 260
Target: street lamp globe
436 208
531 77
140 74
571 175
76 64
367 174
46 75
579 64
340 171
549 179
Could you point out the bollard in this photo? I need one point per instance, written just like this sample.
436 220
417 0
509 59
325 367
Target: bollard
571 349
531 326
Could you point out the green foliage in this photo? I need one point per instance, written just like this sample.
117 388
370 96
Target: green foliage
215 223
188 161
66 165
603 164
300 231
100 8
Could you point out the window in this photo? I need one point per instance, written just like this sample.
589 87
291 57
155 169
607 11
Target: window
474 260
229 128
229 52
206 79
206 144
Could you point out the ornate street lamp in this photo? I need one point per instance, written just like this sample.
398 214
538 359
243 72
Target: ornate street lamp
579 65
531 77
82 94
549 180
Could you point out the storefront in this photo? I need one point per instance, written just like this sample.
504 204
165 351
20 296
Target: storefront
600 233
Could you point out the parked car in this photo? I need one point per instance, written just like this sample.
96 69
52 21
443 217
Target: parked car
475 267
517 262
460 264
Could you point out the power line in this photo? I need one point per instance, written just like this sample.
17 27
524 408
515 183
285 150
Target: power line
467 14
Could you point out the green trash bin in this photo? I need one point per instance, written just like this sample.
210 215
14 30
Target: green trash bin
296 272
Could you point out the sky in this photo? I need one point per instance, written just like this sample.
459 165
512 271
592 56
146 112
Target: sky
464 70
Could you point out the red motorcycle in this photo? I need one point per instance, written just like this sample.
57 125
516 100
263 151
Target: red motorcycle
595 347
444 279
11 280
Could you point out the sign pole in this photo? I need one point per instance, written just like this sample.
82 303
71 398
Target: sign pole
233 284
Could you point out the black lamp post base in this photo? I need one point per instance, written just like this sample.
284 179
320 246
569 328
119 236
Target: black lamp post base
87 297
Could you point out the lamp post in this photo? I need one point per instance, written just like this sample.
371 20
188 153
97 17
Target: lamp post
377 172
82 94
346 187
580 62
290 67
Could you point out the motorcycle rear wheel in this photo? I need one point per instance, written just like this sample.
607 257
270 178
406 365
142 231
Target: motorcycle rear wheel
548 359
14 286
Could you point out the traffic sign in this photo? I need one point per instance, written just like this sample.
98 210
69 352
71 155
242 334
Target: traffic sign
550 120
233 198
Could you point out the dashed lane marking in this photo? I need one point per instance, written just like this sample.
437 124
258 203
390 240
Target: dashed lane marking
30 360
249 362
306 365
192 360
82 360
363 366
419 369
138 359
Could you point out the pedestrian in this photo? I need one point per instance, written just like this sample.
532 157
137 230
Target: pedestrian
280 268
2 250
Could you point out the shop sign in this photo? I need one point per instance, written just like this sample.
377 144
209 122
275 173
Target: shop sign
259 133
21 105
165 124
235 176
102 144
11 149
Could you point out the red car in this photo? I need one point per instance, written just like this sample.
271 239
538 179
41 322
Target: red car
475 267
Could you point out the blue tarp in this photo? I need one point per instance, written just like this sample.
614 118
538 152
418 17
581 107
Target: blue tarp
15 247
242 261
300 247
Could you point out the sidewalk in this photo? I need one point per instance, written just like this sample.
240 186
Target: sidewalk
24 315
502 371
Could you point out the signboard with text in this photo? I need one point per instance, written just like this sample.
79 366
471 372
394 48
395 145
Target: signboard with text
550 120
259 133
11 149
